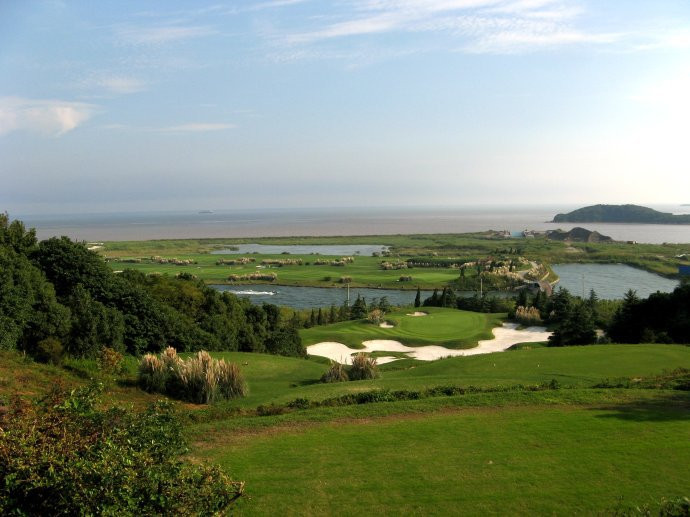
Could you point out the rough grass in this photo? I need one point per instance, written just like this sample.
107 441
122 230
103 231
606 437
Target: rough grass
446 327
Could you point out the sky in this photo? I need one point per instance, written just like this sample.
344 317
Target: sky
161 105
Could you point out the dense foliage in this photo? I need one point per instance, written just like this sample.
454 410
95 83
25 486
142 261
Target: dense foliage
58 297
476 303
661 318
620 214
64 456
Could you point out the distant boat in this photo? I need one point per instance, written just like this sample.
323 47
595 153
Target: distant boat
205 211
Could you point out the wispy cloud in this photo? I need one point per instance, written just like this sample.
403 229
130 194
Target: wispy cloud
162 34
112 84
476 26
44 116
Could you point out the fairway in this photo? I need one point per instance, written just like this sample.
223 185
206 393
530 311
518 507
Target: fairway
519 461
275 379
446 327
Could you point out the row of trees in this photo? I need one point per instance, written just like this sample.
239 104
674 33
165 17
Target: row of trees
359 309
58 297
476 303
660 318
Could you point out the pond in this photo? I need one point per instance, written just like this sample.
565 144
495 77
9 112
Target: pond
610 281
304 249
313 297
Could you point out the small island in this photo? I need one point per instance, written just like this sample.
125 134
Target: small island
621 214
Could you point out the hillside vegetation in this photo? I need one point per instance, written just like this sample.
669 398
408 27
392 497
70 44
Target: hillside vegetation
620 214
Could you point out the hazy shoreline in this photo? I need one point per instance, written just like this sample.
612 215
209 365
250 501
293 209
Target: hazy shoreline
332 222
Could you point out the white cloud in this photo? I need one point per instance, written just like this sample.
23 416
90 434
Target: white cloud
45 116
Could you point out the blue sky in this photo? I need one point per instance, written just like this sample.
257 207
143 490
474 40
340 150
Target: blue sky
108 106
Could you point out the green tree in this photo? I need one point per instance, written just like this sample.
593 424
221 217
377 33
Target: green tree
418 298
359 309
576 327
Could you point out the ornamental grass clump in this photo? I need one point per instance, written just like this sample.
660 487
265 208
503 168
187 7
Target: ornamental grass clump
528 315
199 379
363 367
335 373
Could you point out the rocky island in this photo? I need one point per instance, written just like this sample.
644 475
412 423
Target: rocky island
621 214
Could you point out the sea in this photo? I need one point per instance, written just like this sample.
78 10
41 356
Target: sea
275 222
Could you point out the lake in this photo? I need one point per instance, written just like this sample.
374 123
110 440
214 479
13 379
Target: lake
610 281
298 249
314 297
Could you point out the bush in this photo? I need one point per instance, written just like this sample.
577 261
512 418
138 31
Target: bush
336 373
110 361
49 350
200 379
375 316
363 367
65 456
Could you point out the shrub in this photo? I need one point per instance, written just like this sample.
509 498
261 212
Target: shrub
336 373
110 361
363 367
345 280
200 379
50 350
375 316
64 455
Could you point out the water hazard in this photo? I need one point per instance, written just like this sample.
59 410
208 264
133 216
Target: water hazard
611 281
304 249
312 297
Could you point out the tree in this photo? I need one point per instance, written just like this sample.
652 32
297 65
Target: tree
418 298
384 305
576 327
359 309
319 317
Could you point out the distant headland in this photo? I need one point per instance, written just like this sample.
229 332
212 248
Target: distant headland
621 214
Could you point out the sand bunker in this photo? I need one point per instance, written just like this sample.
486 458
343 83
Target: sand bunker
504 337
417 313
386 325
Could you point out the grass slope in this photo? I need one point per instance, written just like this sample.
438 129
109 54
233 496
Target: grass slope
279 380
446 327
534 460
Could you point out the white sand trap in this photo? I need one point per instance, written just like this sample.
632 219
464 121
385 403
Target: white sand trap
418 313
386 325
504 337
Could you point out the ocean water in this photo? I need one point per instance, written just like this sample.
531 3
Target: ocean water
269 222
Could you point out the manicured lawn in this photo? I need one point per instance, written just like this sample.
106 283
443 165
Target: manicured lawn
283 379
534 460
446 327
